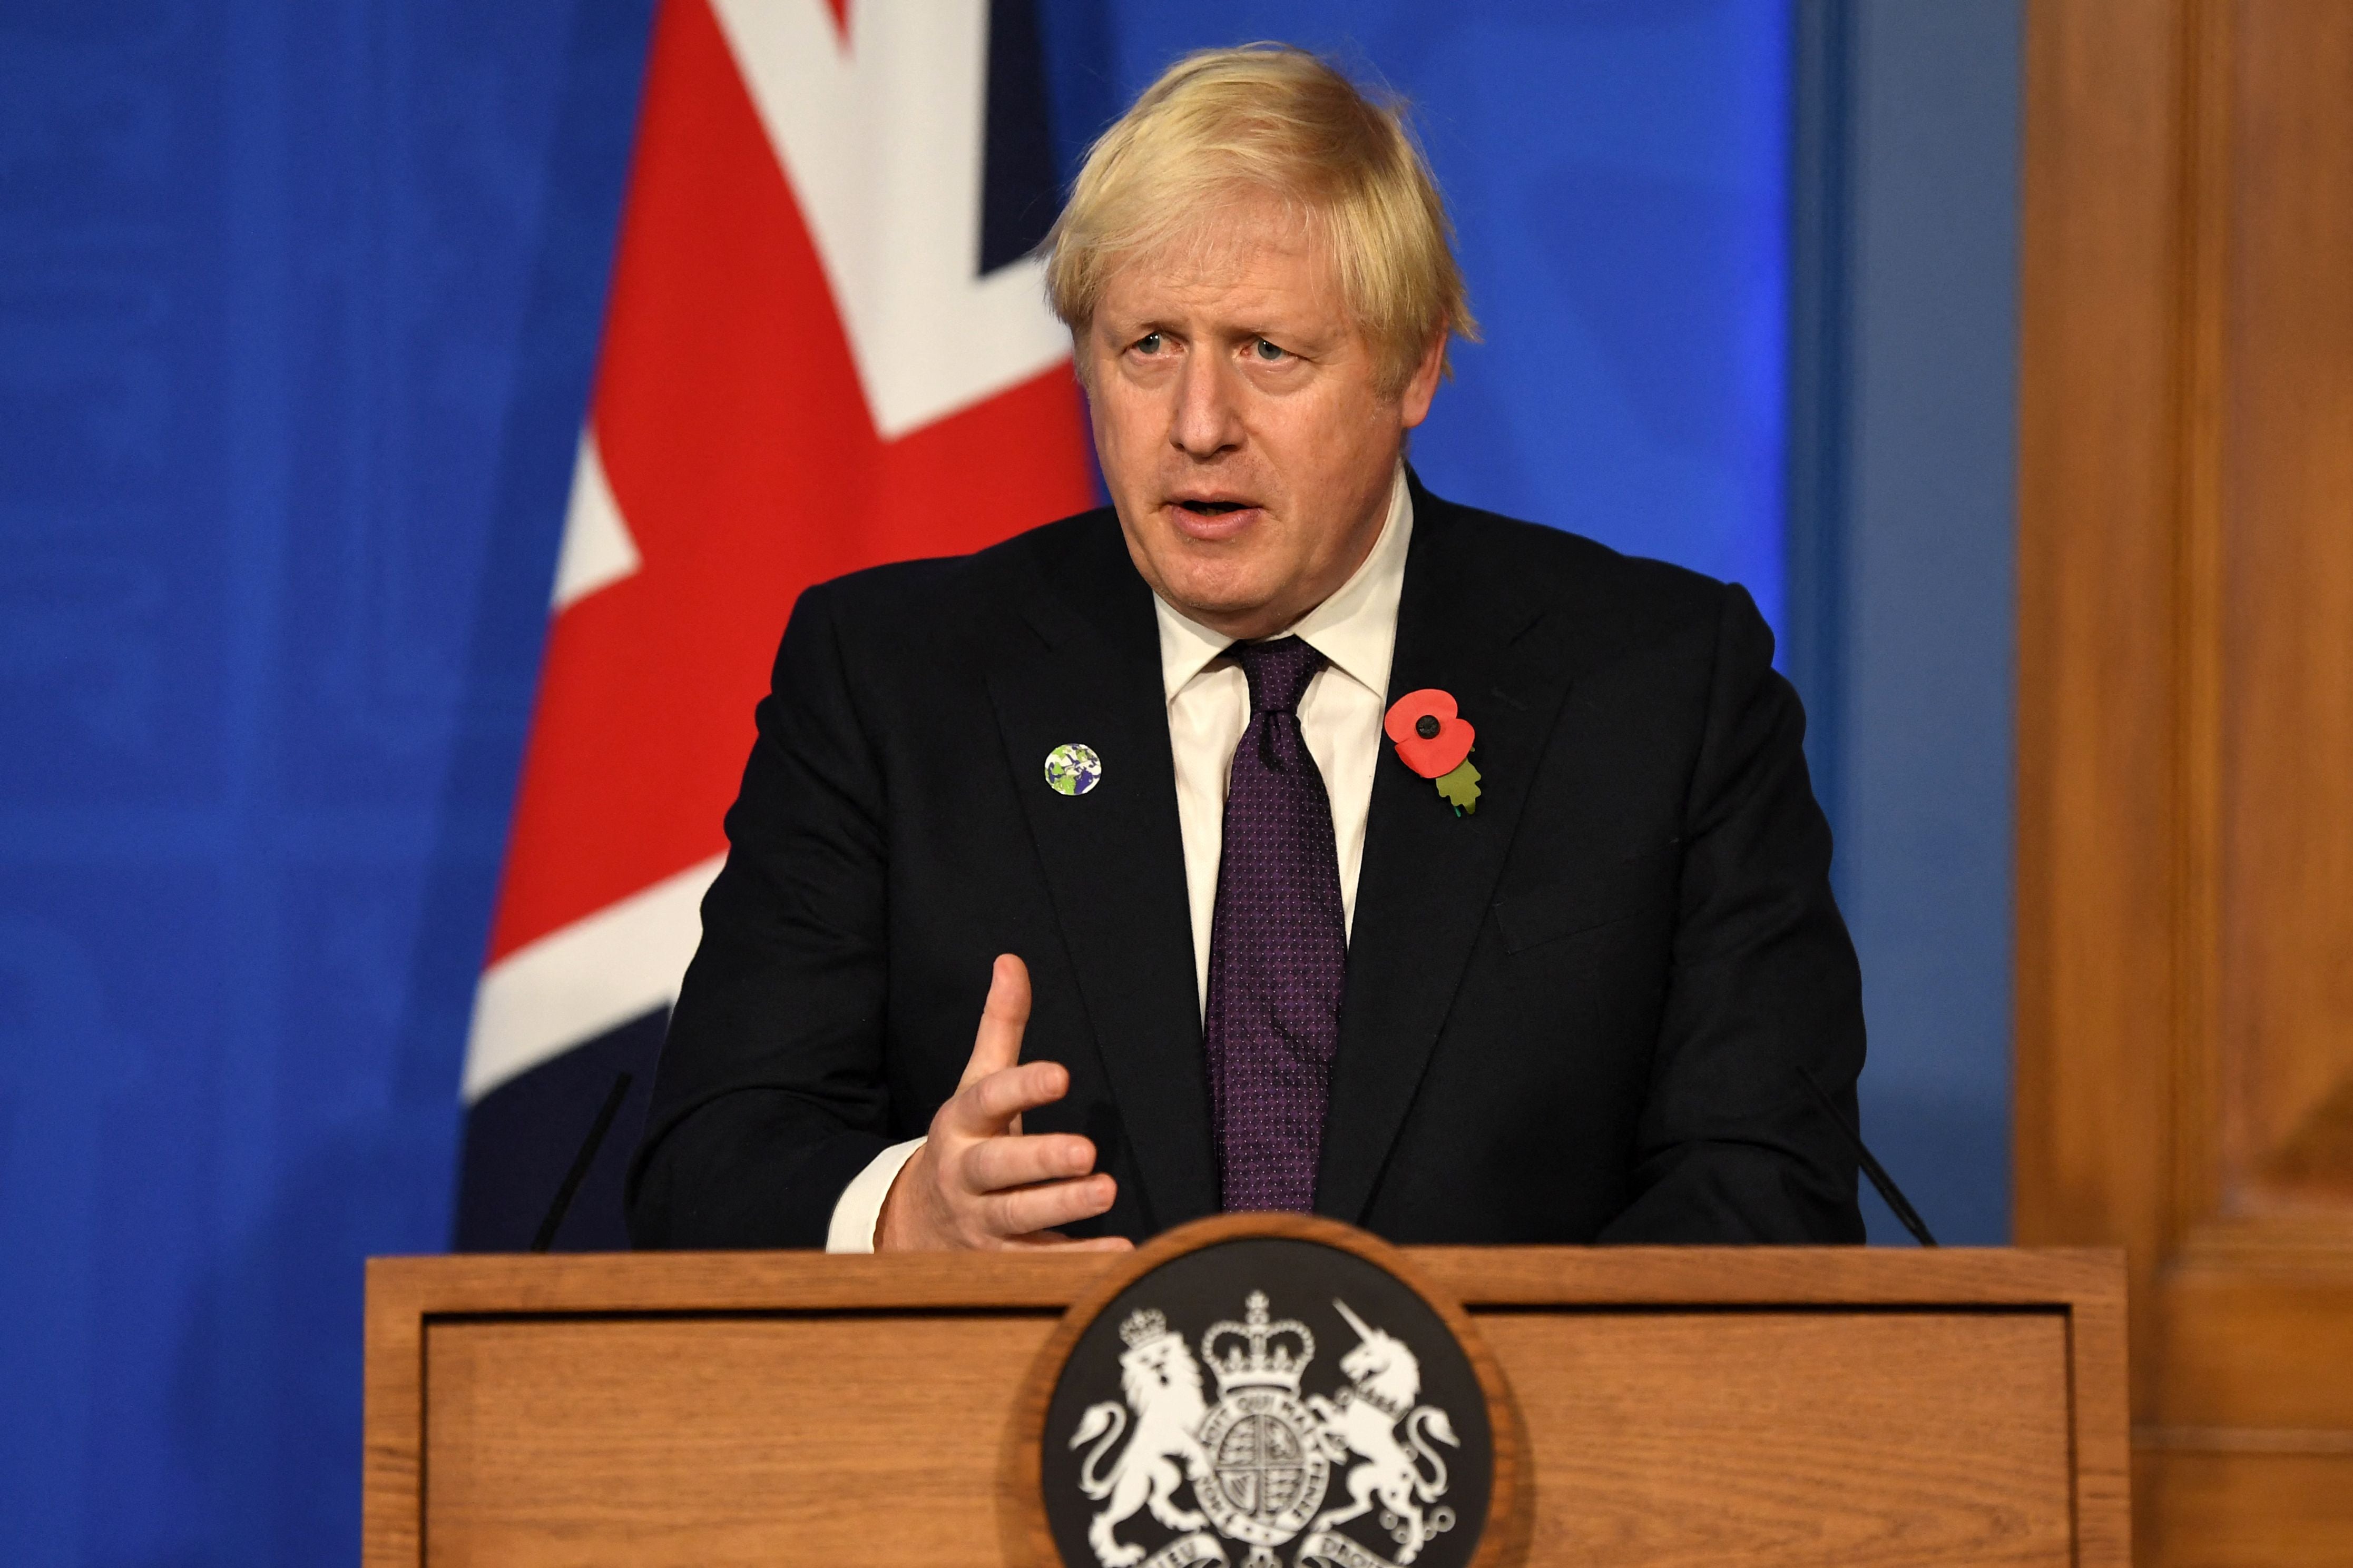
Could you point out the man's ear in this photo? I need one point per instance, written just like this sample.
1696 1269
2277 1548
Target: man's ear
1422 387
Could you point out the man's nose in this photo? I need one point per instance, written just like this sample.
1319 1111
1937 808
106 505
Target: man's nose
1207 419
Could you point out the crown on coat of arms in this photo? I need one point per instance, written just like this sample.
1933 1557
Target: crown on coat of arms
1141 1328
1277 1355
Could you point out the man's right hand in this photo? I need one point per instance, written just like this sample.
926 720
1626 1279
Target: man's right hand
978 1181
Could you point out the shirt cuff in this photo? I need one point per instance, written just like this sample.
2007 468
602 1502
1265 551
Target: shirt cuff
860 1208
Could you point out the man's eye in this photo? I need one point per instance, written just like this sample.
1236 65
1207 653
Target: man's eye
1148 343
1267 351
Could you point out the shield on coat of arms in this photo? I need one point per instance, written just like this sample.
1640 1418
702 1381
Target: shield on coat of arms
1263 1449
1266 1466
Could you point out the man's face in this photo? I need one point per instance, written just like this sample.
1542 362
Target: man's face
1238 415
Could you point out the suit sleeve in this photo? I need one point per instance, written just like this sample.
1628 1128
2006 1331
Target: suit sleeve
1764 991
771 1095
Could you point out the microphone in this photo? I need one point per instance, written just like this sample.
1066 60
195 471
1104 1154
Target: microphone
1889 1192
580 1164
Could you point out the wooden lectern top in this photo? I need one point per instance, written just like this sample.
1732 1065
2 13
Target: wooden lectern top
1686 1406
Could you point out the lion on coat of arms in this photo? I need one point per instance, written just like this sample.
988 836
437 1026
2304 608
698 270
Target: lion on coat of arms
1162 1387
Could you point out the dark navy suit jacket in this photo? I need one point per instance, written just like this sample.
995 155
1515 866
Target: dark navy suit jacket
1579 1014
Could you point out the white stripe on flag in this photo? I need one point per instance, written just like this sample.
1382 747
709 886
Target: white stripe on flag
595 975
882 144
599 551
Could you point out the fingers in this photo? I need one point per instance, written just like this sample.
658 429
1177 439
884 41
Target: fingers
994 1164
991 1107
1017 1188
1003 1018
978 1181
1024 1210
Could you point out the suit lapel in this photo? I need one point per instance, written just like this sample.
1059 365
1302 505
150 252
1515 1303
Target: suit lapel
1428 876
1114 858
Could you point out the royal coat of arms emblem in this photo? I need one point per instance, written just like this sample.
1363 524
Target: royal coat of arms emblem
1267 1463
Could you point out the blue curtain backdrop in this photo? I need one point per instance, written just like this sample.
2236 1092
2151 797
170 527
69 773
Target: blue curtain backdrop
298 305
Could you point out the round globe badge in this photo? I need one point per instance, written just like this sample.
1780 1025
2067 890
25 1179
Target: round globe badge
1073 770
1265 1391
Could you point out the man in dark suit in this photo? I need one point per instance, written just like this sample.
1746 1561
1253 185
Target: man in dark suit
1149 791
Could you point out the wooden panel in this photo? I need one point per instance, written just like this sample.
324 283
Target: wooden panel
2287 496
2088 1280
1824 1438
1821 1439
2254 1510
404 1293
728 1281
2099 885
718 1408
2260 1328
392 1421
2185 961
1771 1275
714 1441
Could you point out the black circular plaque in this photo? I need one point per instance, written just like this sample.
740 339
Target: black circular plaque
1267 1401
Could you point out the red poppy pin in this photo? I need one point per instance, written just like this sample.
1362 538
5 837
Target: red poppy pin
1435 741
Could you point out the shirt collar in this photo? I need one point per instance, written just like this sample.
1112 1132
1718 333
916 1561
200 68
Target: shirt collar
1354 629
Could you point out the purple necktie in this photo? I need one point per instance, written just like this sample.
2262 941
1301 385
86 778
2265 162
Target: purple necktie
1277 946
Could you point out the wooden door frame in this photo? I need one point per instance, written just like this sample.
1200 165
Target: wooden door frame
2141 181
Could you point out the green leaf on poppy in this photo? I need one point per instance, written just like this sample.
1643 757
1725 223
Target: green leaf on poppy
1461 787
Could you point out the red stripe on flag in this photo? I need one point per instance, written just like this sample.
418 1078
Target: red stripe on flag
741 453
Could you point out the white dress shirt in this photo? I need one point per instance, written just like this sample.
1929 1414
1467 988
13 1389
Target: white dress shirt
1208 709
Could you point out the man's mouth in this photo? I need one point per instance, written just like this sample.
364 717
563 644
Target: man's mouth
1213 520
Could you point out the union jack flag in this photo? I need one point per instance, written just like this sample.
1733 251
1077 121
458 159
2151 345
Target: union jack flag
826 347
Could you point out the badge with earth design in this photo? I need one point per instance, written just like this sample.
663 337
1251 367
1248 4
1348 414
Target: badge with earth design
1267 1401
1072 769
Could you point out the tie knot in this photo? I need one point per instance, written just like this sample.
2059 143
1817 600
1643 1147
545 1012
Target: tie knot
1278 672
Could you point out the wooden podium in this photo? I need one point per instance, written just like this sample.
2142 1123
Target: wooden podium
1726 1406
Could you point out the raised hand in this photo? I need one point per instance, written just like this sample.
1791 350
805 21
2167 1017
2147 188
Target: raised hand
978 1181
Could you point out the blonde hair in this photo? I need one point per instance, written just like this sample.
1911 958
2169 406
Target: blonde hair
1267 118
